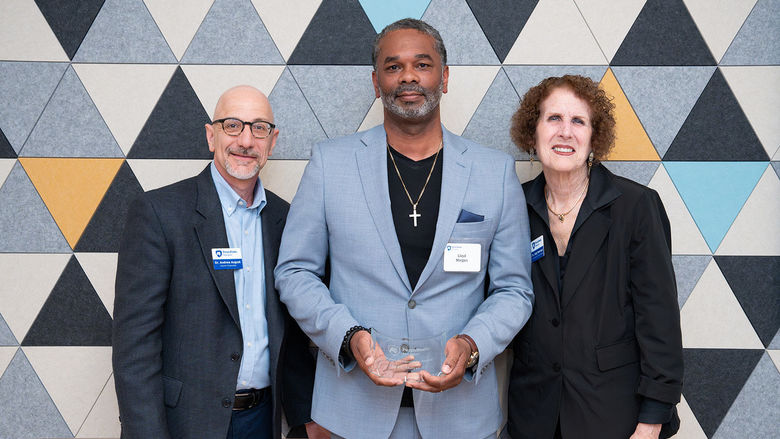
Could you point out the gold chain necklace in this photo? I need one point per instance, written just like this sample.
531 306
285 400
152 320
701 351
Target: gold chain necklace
414 215
562 216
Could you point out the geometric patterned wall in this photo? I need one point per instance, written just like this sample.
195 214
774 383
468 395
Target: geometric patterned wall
100 100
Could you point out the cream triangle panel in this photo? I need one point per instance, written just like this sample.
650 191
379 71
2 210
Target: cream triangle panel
25 35
210 81
283 176
100 269
5 168
74 376
467 86
286 21
374 117
757 89
556 33
610 21
719 21
178 20
686 237
28 276
689 425
156 173
103 419
6 355
713 318
775 356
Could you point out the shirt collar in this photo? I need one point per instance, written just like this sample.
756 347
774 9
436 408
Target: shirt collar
230 199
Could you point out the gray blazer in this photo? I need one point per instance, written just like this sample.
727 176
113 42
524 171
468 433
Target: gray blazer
177 339
341 214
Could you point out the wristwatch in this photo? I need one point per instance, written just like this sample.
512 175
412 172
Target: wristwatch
474 357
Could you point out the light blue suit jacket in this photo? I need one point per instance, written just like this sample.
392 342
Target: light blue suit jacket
341 212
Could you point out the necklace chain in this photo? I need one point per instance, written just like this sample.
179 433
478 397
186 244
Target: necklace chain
562 216
414 215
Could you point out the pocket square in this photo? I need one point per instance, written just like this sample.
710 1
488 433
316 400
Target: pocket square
469 217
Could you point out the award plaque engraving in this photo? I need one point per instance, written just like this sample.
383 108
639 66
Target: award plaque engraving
404 358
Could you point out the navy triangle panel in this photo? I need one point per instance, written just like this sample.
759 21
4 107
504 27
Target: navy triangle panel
713 379
104 230
716 129
70 20
754 281
6 150
664 34
174 129
73 315
339 33
502 21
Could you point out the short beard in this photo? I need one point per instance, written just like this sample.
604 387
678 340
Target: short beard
432 100
238 173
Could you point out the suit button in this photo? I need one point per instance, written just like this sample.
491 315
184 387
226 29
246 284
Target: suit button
412 304
226 403
235 356
556 367
555 322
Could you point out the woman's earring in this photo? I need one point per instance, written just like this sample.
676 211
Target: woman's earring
531 157
590 162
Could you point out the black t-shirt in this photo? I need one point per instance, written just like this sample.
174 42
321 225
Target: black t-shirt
416 242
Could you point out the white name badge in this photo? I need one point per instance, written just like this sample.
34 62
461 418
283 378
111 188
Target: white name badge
462 257
226 258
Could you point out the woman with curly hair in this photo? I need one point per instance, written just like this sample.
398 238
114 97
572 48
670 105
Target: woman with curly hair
601 356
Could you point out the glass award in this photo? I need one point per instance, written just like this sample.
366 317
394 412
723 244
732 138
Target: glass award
404 358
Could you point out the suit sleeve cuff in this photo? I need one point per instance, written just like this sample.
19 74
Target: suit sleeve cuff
653 411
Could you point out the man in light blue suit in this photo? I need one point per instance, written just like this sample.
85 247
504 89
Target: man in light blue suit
369 244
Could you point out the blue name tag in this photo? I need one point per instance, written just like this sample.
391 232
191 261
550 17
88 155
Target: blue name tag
226 258
537 248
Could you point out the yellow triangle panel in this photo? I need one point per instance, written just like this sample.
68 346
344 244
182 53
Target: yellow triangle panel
632 142
71 188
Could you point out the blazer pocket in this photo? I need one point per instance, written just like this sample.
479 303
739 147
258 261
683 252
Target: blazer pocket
617 354
171 391
481 229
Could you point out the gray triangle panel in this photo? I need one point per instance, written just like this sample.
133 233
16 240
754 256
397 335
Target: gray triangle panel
662 97
339 33
299 129
71 126
776 166
716 129
688 269
754 280
124 32
6 150
354 89
232 33
174 129
502 21
25 402
525 77
22 106
756 411
640 172
104 230
26 226
73 314
491 121
70 21
713 379
758 41
463 38
663 34
6 336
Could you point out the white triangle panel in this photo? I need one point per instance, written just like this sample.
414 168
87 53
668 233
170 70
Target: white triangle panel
283 176
178 20
103 419
689 425
374 117
6 355
757 89
5 168
686 237
100 269
775 356
74 376
527 171
713 318
28 276
25 35
286 21
753 232
610 21
556 34
125 95
210 81
467 86
719 21
156 173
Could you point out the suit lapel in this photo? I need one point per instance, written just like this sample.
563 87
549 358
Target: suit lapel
273 223
372 166
454 181
211 234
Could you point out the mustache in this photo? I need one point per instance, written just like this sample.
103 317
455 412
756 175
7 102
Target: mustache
416 88
243 151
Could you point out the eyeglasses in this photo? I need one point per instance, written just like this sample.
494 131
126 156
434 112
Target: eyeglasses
233 127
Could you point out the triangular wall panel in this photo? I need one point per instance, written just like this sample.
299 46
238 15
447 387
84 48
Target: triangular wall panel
25 35
210 81
491 121
465 41
6 150
502 21
467 85
719 21
292 110
71 188
70 21
632 142
383 13
6 165
640 172
73 315
103 418
100 269
153 173
178 21
609 22
757 42
749 233
757 89
286 20
6 355
689 425
336 24
663 34
6 339
525 77
687 271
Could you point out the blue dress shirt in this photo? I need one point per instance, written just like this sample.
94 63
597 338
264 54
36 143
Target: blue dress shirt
245 231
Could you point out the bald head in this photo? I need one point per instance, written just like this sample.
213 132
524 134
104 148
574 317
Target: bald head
242 95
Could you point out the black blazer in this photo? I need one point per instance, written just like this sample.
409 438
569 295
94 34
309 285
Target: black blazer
592 352
177 339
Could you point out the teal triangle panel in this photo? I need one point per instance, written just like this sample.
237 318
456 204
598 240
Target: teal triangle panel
714 192
382 13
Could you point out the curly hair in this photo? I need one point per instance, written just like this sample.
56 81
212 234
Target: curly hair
523 129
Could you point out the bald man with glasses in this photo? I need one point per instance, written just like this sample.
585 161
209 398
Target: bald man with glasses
203 348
